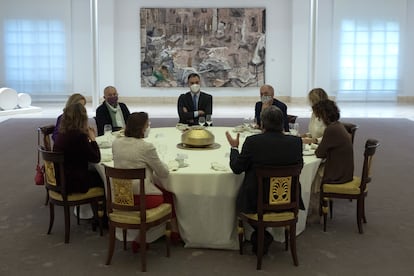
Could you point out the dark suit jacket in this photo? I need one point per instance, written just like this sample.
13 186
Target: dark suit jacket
280 105
205 103
268 148
104 118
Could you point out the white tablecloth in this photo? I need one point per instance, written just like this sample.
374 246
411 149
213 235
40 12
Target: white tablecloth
205 198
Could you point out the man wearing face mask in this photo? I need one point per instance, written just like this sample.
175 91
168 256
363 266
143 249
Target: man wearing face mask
111 112
194 104
267 99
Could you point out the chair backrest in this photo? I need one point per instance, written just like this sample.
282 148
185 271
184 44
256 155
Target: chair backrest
54 171
371 146
119 191
45 132
292 118
278 189
351 128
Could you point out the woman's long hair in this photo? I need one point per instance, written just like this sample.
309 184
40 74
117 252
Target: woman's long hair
327 111
316 95
135 124
74 117
75 98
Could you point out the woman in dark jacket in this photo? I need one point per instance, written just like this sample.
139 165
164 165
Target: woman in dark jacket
77 141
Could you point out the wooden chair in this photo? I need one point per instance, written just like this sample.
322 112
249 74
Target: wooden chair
351 128
277 206
355 189
57 190
292 118
43 134
125 214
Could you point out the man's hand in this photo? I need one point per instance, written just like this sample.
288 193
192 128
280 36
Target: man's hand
234 142
201 113
185 109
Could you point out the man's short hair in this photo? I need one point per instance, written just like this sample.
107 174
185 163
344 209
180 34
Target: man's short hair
193 75
272 119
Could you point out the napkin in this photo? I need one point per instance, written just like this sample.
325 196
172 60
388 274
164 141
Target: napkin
173 165
218 167
104 141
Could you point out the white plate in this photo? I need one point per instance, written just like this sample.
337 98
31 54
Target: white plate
255 130
308 152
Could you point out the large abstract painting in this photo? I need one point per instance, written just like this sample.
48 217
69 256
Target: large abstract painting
225 46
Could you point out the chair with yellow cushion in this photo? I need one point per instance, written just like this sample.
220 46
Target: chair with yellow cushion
43 140
56 186
125 214
355 189
277 206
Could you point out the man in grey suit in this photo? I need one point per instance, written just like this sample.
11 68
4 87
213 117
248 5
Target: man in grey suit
194 104
272 148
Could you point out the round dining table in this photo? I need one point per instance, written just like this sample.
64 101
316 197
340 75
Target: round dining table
205 188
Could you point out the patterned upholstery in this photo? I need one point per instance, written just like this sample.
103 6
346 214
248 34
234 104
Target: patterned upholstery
125 214
355 189
56 187
277 206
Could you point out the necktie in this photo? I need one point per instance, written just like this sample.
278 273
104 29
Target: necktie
195 102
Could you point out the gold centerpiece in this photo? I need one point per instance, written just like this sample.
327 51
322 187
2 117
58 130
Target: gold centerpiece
197 136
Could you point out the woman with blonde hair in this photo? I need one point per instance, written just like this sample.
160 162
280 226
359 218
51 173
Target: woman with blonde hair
316 125
74 98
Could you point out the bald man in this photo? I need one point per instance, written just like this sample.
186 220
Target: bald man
111 112
267 96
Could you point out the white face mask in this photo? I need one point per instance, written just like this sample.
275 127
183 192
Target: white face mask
266 99
195 88
147 131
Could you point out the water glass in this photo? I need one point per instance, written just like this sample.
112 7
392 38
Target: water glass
209 120
294 129
107 129
201 121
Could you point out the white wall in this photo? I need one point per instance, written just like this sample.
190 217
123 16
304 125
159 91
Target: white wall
288 46
127 41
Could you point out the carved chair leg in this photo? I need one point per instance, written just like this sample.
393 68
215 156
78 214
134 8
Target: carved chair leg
111 244
240 230
287 229
293 244
67 223
51 216
168 237
260 246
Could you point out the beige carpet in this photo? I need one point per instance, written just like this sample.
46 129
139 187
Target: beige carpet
386 247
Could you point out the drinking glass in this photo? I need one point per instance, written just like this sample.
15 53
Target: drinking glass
294 129
107 129
247 122
201 121
209 120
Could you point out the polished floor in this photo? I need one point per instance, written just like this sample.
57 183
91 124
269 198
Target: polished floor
348 110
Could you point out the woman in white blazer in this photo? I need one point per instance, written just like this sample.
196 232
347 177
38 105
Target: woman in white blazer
132 151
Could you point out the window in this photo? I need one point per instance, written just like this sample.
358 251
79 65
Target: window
369 55
35 56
